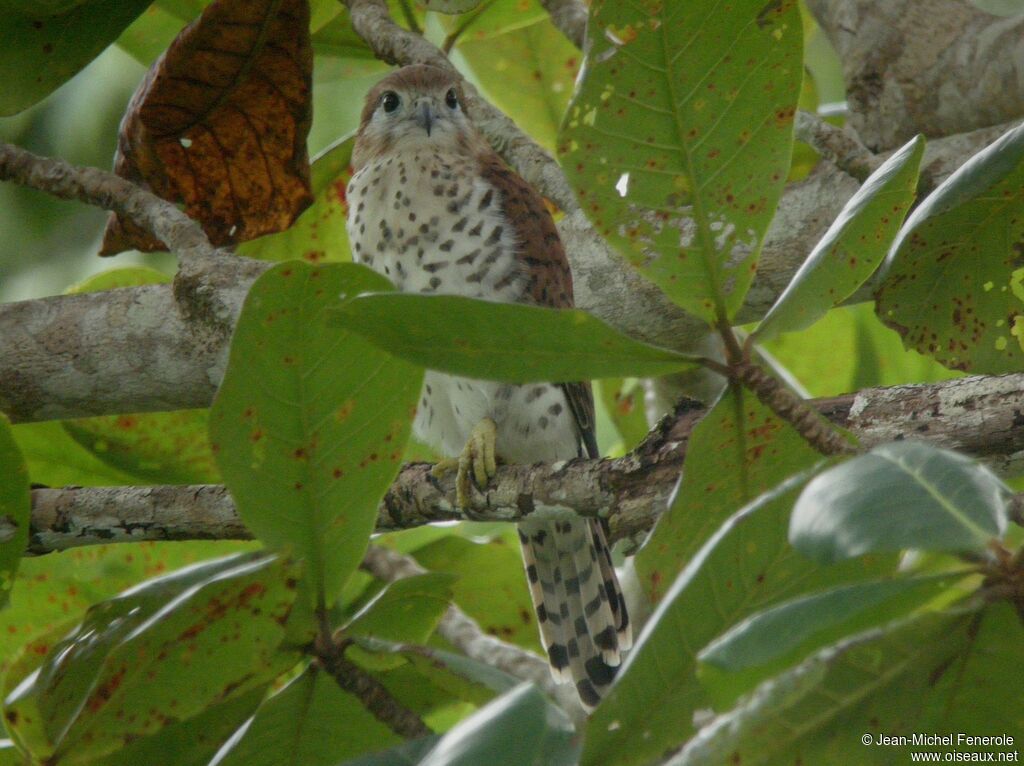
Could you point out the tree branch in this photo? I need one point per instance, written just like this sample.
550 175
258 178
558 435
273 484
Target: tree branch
97 187
980 416
570 17
838 145
372 693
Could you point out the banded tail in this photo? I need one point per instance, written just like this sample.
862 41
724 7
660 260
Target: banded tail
580 608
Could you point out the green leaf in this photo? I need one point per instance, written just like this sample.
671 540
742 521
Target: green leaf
43 45
318 234
450 6
767 642
151 34
1000 7
408 753
899 495
310 422
542 63
623 399
494 18
311 722
738 450
745 566
954 280
677 141
55 459
850 251
15 509
520 727
192 742
160 652
406 610
933 673
501 341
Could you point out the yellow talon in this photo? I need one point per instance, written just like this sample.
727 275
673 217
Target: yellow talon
477 461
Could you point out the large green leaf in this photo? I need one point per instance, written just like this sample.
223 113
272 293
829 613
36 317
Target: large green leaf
521 727
43 45
55 459
677 141
779 636
899 495
934 673
15 509
737 451
746 566
311 722
541 61
852 248
954 280
502 341
494 18
309 424
160 652
319 233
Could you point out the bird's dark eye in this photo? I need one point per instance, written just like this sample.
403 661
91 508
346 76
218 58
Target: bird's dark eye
451 99
390 101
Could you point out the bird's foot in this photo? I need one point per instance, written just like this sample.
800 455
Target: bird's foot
477 462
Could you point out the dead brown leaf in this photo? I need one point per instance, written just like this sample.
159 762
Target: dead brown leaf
220 124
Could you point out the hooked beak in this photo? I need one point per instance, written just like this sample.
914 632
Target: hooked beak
425 115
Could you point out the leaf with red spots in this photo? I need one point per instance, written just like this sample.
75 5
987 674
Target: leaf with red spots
623 400
310 422
319 234
677 141
738 450
953 285
155 447
850 251
745 566
502 341
542 61
15 509
311 722
935 672
161 652
220 124
43 44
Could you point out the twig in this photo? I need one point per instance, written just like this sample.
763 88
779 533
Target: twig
463 632
570 17
372 693
977 416
838 145
98 187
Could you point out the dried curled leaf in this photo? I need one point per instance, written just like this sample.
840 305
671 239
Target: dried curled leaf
220 124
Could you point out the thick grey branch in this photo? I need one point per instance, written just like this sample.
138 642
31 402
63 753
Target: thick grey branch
936 67
981 416
570 17
97 187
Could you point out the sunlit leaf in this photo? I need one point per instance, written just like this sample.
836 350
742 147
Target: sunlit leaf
850 251
450 6
220 124
43 45
678 138
493 18
310 421
953 286
501 341
899 495
160 652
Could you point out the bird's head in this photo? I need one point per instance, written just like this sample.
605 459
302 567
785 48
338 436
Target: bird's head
415 107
